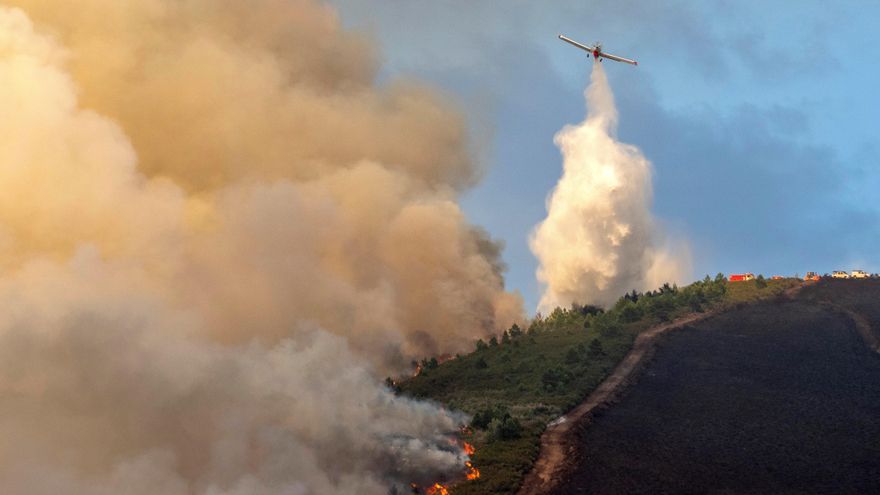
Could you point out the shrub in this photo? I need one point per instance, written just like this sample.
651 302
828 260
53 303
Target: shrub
662 307
488 415
504 428
606 325
555 378
630 312
760 282
482 419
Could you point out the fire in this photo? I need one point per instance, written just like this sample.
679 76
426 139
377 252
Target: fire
445 357
437 489
472 472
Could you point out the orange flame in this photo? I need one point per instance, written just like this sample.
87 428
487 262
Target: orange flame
472 472
437 489
468 448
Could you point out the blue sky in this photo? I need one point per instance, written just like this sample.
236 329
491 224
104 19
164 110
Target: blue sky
761 118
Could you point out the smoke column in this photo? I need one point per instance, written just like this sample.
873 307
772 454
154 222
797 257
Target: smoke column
217 235
599 239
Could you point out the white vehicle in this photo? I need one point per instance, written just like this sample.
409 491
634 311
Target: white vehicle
858 274
596 51
839 274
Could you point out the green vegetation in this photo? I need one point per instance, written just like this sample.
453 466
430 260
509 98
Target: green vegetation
744 292
513 387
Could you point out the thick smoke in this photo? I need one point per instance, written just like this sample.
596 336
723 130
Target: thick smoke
105 390
216 235
599 239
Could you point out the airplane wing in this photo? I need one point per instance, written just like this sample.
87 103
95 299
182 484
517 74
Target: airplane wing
619 59
575 43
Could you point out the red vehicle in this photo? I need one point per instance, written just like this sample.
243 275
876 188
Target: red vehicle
741 277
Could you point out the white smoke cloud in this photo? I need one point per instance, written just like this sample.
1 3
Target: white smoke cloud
104 388
599 239
215 237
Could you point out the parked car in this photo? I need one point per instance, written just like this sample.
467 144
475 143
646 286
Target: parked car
859 274
839 274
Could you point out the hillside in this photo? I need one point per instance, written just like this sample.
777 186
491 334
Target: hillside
513 386
775 397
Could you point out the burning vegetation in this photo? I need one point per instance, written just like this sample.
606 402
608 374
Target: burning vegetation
468 448
437 489
470 472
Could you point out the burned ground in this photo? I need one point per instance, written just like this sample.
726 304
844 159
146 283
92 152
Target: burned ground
776 397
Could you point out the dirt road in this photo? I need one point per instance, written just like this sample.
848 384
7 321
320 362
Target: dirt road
772 397
556 445
863 326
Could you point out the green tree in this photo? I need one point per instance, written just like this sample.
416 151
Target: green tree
481 363
606 325
555 378
589 309
482 419
662 306
481 345
515 331
504 428
536 325
630 312
694 298
596 348
493 342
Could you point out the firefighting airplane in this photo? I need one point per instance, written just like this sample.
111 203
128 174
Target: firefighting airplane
597 52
